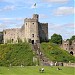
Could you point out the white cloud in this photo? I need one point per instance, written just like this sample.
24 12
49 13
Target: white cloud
5 19
11 19
42 16
41 5
2 26
10 23
10 1
7 8
19 19
60 11
66 30
18 1
56 1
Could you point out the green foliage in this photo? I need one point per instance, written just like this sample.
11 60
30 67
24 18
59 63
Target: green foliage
71 39
55 53
9 41
55 38
16 54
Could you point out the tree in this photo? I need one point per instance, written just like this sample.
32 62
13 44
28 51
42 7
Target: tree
56 38
73 37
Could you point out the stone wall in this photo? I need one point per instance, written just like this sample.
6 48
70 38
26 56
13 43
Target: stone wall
32 30
11 35
69 47
43 31
69 64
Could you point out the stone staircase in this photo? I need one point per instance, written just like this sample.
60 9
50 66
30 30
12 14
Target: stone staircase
44 61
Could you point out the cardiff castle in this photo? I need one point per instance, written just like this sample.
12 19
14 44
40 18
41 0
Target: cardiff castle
32 31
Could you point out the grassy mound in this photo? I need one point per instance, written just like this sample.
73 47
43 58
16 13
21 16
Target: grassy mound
16 54
55 53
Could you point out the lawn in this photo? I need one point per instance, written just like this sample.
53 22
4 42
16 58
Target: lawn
33 70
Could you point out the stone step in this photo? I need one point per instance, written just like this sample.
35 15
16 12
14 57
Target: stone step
43 60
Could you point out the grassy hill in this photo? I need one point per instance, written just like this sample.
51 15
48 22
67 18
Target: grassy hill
16 54
22 54
55 53
31 70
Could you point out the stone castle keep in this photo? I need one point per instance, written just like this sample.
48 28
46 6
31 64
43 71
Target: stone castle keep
32 31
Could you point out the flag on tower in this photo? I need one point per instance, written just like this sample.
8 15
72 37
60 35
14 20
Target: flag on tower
35 4
34 7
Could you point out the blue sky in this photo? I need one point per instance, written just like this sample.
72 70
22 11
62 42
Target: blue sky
58 13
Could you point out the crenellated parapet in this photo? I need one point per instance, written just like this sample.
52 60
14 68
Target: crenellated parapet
30 20
33 19
44 23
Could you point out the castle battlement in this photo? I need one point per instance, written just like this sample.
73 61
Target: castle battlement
30 20
33 19
44 23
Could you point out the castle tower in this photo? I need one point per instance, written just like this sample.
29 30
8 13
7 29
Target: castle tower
35 16
31 29
72 49
65 45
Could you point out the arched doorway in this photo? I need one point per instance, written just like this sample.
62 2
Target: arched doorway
32 41
71 52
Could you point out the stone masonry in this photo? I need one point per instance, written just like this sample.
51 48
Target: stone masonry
69 47
32 31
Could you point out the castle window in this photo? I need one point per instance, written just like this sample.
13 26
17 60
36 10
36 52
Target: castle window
12 40
71 48
33 23
26 23
32 35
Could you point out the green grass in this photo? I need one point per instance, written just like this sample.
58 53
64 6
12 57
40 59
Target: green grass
16 54
33 70
55 53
